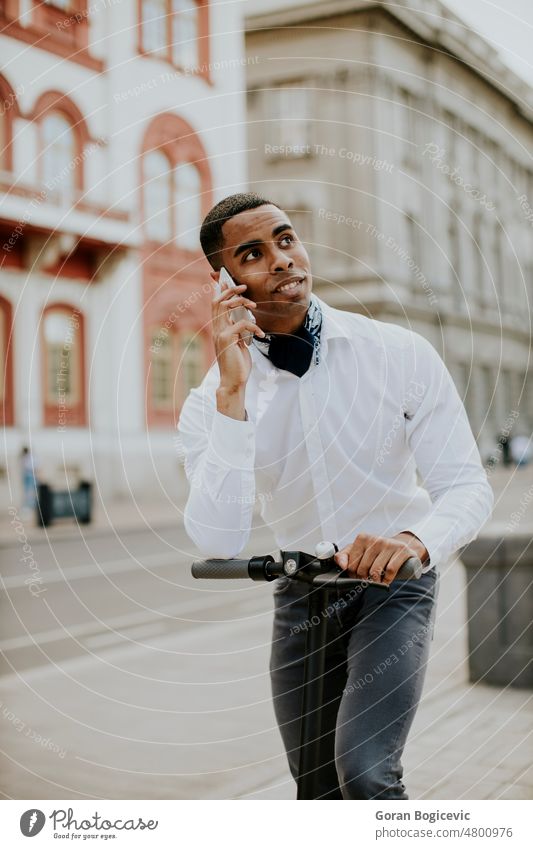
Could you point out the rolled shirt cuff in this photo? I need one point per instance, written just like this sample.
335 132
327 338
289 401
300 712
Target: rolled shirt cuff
429 562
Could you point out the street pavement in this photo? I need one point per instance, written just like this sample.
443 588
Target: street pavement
125 678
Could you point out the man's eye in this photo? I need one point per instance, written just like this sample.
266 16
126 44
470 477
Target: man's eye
250 254
288 236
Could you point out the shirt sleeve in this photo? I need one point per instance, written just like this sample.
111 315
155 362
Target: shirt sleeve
447 458
219 455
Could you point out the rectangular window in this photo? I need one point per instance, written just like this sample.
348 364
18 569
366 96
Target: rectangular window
61 385
190 364
176 366
409 131
154 26
63 367
454 253
162 371
302 221
185 33
176 30
414 243
290 115
3 355
488 390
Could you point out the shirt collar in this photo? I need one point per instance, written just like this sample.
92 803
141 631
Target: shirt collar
334 324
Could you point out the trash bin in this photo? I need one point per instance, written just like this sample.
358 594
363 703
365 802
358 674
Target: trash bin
500 610
59 504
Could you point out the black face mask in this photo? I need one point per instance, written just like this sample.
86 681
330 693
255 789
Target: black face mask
292 351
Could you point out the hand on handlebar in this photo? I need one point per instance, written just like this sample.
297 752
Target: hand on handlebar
379 558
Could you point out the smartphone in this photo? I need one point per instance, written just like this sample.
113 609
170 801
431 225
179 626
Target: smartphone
239 312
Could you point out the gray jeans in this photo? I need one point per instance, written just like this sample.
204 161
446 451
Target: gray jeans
377 651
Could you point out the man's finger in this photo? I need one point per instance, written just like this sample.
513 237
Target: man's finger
395 564
228 292
239 301
379 565
372 549
342 556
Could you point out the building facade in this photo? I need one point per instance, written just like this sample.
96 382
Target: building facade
400 145
110 155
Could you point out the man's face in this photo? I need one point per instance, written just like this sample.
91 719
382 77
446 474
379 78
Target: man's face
262 250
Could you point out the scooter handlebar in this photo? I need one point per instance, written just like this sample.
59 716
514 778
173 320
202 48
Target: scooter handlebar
220 569
412 568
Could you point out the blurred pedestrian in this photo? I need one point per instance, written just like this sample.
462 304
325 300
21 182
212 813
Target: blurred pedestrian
503 442
29 482
521 449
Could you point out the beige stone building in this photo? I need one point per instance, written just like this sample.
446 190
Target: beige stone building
401 147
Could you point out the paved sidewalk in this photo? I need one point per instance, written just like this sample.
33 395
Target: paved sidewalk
513 489
110 517
469 741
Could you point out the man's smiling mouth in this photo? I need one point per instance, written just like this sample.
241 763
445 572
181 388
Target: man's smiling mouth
290 286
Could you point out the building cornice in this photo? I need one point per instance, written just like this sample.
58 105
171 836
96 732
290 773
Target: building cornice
433 23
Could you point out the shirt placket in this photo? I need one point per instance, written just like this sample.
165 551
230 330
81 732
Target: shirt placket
317 462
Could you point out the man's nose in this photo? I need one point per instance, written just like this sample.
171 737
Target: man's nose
280 261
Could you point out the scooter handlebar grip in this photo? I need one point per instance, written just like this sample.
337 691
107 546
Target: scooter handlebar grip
220 569
412 568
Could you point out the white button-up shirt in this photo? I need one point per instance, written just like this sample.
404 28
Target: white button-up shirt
336 452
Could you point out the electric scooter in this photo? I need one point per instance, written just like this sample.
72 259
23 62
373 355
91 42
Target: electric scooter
324 576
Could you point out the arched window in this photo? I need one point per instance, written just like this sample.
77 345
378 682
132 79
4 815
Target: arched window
3 137
191 366
162 378
172 201
175 176
63 366
63 137
158 184
188 205
8 111
6 368
59 156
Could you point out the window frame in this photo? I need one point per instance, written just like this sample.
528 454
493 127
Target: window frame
287 146
73 414
9 110
201 68
170 212
7 412
180 143
166 414
61 193
174 216
55 101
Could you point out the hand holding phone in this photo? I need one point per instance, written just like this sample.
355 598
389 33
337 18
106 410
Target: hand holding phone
238 313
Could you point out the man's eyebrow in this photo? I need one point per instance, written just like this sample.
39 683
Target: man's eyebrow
255 242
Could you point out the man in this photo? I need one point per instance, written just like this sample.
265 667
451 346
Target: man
326 418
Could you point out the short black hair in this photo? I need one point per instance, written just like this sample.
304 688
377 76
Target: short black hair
211 238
